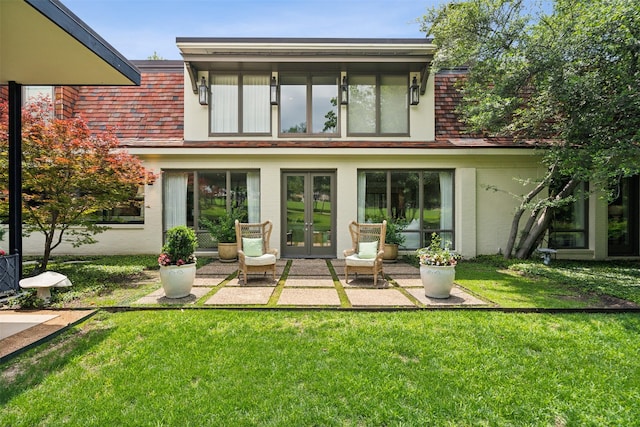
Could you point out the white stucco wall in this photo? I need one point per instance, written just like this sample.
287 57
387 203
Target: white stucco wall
482 217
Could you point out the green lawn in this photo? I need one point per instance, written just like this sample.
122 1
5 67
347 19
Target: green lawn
277 368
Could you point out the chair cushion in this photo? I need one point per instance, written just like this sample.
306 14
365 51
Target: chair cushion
252 246
264 259
356 261
368 250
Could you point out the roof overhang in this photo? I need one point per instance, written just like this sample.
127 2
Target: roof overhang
286 54
44 43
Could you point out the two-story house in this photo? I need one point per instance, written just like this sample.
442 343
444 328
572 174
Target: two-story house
314 133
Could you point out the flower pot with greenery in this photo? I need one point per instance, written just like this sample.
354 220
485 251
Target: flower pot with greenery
393 238
178 262
437 268
223 229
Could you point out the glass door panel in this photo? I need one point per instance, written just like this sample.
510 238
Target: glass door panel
309 217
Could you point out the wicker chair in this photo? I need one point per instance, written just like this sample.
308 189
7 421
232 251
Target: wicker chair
365 255
254 253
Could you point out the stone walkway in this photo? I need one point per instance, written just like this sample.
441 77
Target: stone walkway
310 283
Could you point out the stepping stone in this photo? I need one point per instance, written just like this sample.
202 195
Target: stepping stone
157 297
458 297
310 282
309 297
378 298
241 296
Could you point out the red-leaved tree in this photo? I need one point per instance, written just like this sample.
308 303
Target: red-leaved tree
68 173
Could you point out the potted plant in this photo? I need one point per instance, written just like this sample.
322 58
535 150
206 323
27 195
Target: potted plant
393 238
178 262
223 229
437 268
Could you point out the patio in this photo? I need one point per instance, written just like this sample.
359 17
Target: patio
311 283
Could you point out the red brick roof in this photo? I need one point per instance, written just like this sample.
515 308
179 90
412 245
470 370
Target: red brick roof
155 109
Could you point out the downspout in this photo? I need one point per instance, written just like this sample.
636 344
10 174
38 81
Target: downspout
15 173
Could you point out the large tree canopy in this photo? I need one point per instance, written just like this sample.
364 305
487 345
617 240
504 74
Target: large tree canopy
567 80
68 174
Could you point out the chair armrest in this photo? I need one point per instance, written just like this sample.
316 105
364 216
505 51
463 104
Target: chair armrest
348 252
272 251
241 254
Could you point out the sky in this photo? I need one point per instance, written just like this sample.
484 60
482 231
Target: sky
138 28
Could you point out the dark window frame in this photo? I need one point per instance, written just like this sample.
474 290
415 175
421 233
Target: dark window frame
240 87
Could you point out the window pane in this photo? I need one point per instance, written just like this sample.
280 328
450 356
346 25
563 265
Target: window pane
324 104
394 115
256 106
293 104
431 212
239 191
404 195
568 227
362 104
212 194
224 104
376 196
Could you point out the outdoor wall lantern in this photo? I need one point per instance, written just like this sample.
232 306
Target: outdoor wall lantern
274 91
414 91
344 91
203 92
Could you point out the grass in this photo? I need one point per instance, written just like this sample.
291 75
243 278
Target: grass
272 368
564 284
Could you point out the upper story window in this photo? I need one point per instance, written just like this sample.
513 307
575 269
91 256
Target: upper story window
240 104
309 104
378 104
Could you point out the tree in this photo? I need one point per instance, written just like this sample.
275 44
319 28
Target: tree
155 57
68 174
566 81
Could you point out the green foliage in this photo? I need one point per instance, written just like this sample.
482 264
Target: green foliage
437 253
567 80
69 172
223 228
180 244
351 368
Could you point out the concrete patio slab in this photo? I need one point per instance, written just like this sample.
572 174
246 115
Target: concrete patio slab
309 267
458 297
58 321
310 282
217 268
11 324
254 281
365 282
309 297
157 297
408 282
241 296
209 281
378 298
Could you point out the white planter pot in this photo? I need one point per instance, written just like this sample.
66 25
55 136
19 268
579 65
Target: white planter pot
177 280
437 280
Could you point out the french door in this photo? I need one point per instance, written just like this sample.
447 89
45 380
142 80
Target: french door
308 214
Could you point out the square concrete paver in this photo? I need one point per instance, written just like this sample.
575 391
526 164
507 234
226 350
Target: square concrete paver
458 297
157 297
208 281
364 282
378 298
310 267
241 296
254 281
409 282
309 297
309 282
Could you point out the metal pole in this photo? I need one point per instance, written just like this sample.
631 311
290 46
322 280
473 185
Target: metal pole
15 171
